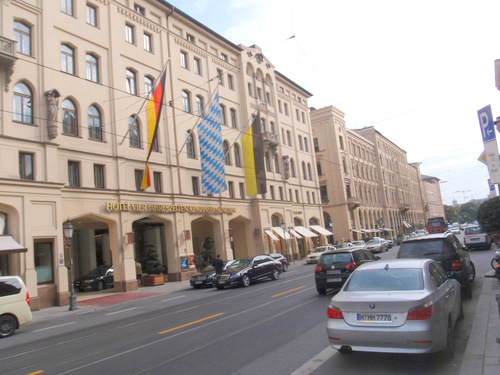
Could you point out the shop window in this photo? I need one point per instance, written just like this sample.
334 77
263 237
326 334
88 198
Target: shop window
44 265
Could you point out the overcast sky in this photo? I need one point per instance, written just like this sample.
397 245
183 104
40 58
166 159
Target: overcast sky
416 70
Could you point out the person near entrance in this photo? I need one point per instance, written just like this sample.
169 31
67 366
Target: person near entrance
218 264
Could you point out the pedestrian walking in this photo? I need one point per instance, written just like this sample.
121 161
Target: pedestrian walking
218 264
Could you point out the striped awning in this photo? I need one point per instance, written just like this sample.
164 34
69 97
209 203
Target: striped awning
271 234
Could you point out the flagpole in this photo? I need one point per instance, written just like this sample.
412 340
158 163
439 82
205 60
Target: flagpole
145 100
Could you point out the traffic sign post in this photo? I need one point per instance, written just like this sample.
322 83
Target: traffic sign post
486 124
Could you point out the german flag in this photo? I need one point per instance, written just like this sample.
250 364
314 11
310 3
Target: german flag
253 158
153 112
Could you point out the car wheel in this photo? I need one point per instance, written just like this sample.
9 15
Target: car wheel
100 285
7 325
472 274
321 291
276 274
494 263
285 267
245 280
449 351
345 350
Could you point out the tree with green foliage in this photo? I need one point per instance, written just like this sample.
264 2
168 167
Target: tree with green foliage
468 212
451 213
150 261
488 216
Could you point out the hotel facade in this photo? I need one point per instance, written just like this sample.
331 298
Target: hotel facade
73 145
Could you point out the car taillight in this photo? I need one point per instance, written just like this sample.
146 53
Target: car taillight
318 269
351 266
28 299
420 313
334 312
456 265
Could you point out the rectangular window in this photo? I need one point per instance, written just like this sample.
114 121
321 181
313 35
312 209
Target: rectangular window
157 182
316 144
223 57
184 61
26 166
297 196
314 197
67 6
91 68
285 106
196 185
318 167
139 9
250 90
44 265
220 76
22 35
230 82
279 106
297 114
99 181
341 142
190 38
308 197
259 93
230 187
74 173
272 193
197 66
324 193
289 137
280 189
290 195
306 144
147 43
129 33
91 14
138 175
242 190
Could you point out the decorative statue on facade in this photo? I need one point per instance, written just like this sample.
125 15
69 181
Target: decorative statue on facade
52 101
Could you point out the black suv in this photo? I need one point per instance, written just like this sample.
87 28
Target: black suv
447 249
334 267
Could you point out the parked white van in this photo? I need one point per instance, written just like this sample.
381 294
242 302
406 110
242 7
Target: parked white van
14 305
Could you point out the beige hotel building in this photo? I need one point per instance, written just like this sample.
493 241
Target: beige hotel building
367 186
74 77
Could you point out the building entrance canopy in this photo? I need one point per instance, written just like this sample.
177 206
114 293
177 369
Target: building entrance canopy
9 245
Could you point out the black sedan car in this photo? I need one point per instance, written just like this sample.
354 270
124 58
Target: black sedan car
204 278
242 272
97 279
282 260
334 267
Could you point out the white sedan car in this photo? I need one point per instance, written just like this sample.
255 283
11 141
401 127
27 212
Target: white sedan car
314 255
396 306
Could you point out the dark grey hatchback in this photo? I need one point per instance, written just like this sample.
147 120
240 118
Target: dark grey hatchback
334 267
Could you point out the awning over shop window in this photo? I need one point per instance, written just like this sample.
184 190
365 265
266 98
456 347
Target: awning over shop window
9 245
282 233
387 229
271 234
321 230
357 231
294 234
305 232
406 224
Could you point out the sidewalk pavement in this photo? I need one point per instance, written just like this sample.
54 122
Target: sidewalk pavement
482 355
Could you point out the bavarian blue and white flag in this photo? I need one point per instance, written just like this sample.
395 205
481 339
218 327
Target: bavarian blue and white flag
213 175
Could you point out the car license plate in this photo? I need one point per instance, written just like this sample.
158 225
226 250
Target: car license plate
374 318
221 282
474 239
334 280
198 282
332 272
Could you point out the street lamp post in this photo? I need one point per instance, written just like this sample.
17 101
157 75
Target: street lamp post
68 235
283 226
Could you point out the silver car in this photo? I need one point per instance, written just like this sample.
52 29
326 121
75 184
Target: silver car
396 306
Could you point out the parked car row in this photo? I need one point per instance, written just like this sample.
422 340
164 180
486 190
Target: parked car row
242 272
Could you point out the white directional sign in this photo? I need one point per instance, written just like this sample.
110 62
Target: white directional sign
490 143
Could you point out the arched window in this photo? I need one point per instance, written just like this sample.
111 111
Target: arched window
232 114
95 123
91 68
227 155
131 82
276 163
67 59
190 147
199 106
186 101
304 172
292 168
23 104
267 162
223 114
69 117
237 155
135 132
148 86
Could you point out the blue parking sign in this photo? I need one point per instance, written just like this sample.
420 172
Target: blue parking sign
486 123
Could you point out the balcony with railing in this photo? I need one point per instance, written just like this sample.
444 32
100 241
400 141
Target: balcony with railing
7 58
353 202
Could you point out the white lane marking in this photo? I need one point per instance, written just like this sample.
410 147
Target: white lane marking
170 299
60 325
315 362
119 312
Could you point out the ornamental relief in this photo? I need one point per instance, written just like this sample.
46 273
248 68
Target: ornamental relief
185 44
139 20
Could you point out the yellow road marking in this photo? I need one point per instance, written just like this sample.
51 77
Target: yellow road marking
290 291
36 372
190 324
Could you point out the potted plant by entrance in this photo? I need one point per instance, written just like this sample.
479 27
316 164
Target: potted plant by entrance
151 266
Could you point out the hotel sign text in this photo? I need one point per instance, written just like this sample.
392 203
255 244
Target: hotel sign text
166 208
